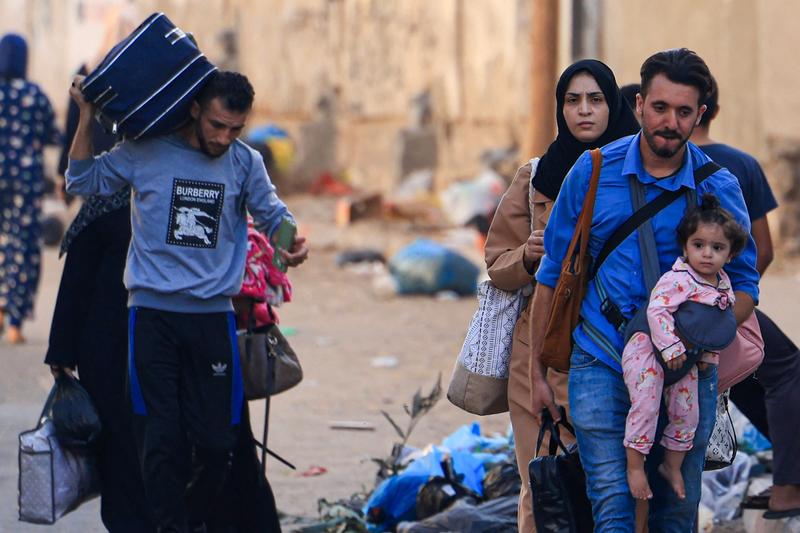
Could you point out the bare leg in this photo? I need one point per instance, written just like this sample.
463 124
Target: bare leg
671 470
637 478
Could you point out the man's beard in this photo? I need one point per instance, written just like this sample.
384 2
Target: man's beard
201 139
665 151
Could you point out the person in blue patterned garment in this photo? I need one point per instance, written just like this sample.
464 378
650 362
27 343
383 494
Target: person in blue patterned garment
27 124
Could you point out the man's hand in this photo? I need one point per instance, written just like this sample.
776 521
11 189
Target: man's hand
541 399
677 362
534 248
298 254
76 94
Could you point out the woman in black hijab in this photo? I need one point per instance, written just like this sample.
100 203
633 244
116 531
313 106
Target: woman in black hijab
569 143
590 112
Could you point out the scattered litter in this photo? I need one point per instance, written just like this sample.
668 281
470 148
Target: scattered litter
386 361
329 185
313 471
427 267
492 515
384 285
468 483
723 490
357 207
750 440
363 255
324 342
288 331
447 295
464 200
359 425
370 270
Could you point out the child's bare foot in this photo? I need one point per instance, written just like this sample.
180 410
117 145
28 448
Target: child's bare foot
637 479
675 479
637 482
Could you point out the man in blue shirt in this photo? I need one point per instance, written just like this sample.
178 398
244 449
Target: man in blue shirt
771 398
674 85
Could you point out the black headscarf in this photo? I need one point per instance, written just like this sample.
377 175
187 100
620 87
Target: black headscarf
566 149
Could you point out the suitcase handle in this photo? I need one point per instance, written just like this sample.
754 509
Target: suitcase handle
108 124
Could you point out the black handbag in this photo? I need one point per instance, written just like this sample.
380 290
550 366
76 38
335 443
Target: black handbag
558 483
269 365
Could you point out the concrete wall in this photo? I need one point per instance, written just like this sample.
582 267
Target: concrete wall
751 48
371 57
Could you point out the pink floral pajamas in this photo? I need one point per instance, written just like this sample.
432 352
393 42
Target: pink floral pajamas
643 374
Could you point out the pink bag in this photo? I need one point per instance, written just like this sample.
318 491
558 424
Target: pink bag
743 356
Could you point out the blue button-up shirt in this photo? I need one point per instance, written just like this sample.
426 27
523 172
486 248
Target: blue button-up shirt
621 274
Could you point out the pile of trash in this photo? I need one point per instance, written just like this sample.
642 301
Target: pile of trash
468 482
725 490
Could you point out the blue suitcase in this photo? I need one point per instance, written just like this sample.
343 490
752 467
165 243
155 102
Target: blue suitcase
145 85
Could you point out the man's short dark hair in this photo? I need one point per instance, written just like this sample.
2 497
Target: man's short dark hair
232 88
679 65
712 103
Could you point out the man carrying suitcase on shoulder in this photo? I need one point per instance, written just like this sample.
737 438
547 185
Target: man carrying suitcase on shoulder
191 192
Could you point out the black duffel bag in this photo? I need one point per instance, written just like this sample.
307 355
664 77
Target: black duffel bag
558 483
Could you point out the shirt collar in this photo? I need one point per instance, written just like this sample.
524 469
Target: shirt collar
633 165
682 265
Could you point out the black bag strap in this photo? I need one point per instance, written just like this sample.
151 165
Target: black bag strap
550 426
647 212
48 405
273 454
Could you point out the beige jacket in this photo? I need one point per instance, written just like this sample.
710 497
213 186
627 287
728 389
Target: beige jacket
508 236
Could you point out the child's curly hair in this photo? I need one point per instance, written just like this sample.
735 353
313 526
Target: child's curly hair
711 212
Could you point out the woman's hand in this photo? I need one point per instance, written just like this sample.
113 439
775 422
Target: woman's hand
541 399
534 249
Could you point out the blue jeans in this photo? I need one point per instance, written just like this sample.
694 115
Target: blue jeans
599 404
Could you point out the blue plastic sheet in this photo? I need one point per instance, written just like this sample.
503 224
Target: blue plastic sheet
468 437
395 500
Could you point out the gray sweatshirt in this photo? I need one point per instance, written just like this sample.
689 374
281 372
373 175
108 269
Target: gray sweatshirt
188 218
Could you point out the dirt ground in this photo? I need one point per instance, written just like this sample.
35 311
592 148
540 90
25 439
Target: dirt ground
341 324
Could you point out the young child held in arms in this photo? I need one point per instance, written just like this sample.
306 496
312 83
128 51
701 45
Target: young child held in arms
691 303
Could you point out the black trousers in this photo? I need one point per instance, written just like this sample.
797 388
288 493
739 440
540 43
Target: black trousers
771 400
186 389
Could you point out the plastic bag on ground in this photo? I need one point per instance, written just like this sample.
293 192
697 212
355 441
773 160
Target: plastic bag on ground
393 501
724 489
750 440
427 267
502 480
468 437
76 422
494 516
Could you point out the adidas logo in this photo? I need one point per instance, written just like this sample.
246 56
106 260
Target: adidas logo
219 369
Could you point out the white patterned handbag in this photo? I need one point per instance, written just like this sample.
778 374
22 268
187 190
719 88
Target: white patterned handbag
53 480
721 450
480 378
